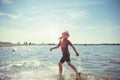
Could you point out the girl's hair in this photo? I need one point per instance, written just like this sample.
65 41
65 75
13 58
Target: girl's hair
66 32
60 38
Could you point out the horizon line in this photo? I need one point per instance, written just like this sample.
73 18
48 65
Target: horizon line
1 42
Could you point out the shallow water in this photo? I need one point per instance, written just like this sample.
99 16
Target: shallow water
96 62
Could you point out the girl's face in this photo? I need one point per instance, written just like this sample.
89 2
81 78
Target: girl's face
64 35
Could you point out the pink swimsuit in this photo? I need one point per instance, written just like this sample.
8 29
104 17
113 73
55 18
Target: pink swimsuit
64 46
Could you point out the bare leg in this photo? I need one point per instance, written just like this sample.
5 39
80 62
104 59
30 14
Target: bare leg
60 68
73 67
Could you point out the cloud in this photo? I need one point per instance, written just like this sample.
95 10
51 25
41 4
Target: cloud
81 3
6 1
77 14
15 34
92 3
12 16
4 29
99 28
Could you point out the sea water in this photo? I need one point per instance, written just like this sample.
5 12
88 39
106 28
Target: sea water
36 62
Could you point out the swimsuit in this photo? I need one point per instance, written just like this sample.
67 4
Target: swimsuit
64 47
64 58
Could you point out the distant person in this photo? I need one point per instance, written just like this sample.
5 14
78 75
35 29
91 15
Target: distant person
64 43
13 50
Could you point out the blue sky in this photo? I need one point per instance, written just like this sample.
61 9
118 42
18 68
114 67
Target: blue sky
88 21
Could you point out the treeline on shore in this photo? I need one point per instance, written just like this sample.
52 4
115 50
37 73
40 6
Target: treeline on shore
5 44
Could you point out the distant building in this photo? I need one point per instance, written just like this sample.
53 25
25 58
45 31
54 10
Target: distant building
5 43
18 43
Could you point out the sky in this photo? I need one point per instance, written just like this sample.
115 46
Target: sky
38 21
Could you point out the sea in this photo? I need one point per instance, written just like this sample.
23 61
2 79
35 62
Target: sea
37 62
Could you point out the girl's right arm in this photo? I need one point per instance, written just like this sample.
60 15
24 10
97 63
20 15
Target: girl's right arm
57 46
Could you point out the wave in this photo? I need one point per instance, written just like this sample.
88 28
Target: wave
47 75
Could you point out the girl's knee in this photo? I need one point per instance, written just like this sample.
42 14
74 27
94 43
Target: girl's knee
69 64
59 63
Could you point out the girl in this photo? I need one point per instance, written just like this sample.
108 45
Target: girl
64 43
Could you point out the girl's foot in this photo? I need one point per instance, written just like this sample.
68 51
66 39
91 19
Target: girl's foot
78 76
61 77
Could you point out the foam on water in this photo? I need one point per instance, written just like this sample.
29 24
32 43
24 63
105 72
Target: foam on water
38 63
47 75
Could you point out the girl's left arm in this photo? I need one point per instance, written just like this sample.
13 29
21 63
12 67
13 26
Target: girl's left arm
77 54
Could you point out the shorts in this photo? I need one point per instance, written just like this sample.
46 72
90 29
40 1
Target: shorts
65 57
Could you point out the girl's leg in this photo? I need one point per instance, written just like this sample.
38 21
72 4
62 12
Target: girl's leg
60 68
73 67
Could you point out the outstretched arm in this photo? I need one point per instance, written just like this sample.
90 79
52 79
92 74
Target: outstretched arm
77 54
57 46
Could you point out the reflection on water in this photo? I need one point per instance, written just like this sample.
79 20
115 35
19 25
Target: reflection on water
38 63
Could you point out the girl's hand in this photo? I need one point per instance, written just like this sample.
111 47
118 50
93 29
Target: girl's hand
77 54
50 49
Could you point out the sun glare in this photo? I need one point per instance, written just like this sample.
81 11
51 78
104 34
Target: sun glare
53 33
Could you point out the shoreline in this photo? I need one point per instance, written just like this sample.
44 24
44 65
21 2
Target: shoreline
11 45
